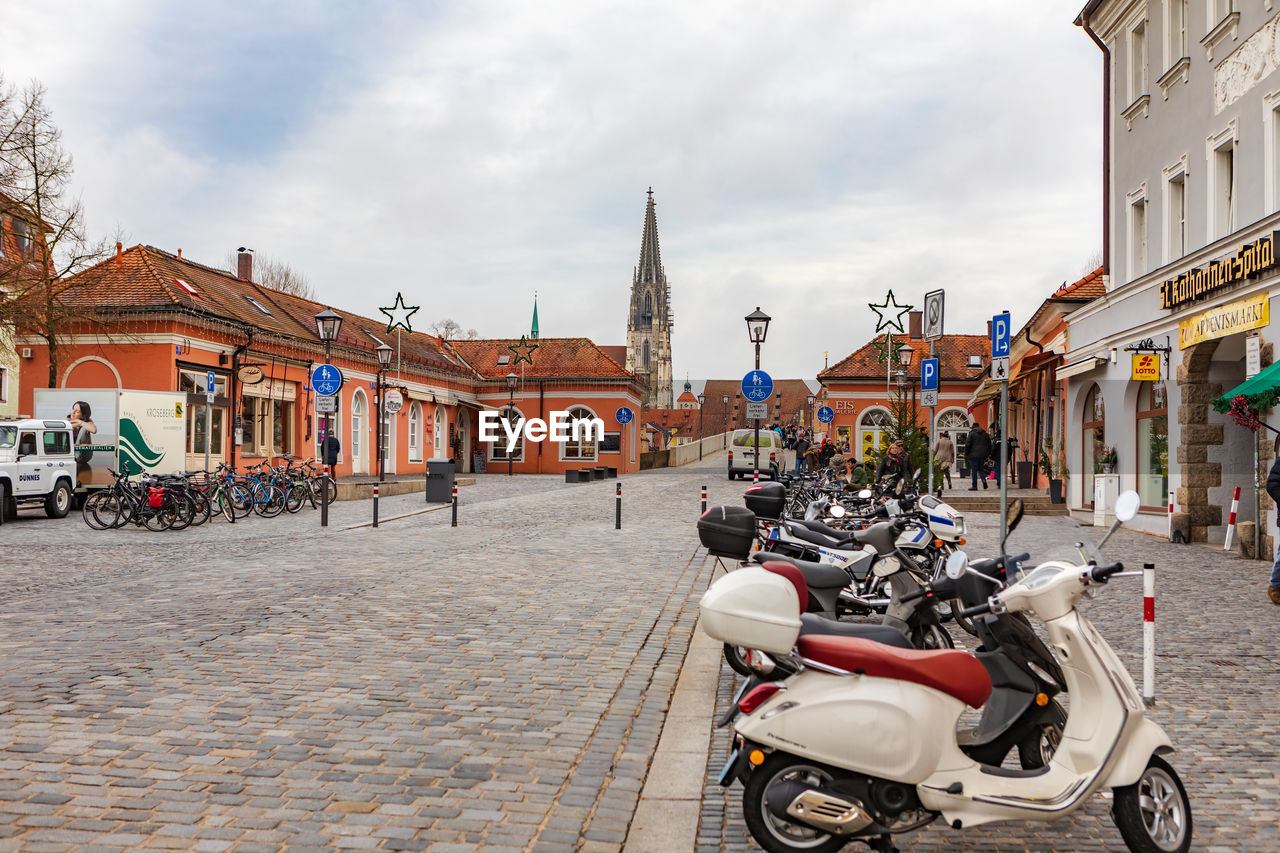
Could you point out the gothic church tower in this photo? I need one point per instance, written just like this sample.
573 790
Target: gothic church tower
649 320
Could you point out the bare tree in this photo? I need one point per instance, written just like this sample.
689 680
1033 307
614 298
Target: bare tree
275 274
40 286
451 330
1092 263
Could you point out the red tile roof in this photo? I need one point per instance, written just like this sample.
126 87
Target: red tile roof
555 358
952 351
1089 287
618 354
719 417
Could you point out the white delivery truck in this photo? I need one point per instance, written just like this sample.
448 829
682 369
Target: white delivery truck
134 432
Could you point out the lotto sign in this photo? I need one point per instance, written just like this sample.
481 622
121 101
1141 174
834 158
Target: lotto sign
1146 367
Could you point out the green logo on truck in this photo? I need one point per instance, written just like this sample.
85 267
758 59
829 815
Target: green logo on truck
136 455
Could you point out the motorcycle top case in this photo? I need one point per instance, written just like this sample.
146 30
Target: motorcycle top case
766 499
727 531
752 607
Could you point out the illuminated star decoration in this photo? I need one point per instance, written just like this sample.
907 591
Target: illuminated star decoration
890 309
884 348
523 351
398 315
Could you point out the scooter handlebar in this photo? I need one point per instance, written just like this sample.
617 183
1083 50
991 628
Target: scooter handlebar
919 593
1101 574
977 609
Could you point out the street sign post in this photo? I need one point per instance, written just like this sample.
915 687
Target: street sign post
826 414
757 411
929 374
929 399
326 380
210 381
326 405
933 304
1000 344
624 416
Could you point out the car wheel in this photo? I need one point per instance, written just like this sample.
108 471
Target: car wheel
58 502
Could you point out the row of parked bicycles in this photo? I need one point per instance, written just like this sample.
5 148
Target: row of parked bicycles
178 501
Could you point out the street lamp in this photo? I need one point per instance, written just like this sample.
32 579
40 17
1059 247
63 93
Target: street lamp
757 328
328 323
724 418
512 381
384 361
905 354
810 400
702 398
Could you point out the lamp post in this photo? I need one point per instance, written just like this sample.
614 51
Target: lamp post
757 328
702 398
724 419
328 323
810 401
384 361
905 354
512 381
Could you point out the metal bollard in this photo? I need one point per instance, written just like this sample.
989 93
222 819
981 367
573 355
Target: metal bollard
704 500
375 504
454 523
1231 520
617 517
1149 634
324 499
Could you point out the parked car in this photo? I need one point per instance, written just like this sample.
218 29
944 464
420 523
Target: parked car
36 465
742 454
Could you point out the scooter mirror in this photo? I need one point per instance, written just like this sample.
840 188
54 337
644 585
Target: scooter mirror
957 564
865 495
1127 506
836 511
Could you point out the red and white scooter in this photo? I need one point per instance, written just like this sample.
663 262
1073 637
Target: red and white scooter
861 744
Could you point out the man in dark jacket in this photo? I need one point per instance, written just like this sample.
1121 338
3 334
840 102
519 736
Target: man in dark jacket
802 447
331 448
977 447
1273 489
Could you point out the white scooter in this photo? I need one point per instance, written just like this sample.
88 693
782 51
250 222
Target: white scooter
811 784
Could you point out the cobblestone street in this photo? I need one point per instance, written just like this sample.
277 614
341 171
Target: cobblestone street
1218 685
268 684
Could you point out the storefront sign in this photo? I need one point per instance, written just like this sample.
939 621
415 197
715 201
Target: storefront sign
1146 367
1241 316
250 374
1192 285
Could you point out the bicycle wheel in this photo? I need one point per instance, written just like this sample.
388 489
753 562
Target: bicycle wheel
268 501
204 507
325 483
101 510
294 497
158 518
225 505
241 499
184 510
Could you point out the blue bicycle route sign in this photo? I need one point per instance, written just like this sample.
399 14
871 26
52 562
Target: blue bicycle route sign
757 386
826 414
326 380
624 415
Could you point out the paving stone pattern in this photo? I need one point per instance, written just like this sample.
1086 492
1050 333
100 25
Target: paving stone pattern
1218 688
251 687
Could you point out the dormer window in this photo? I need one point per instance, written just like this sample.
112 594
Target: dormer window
256 304
975 361
21 236
504 359
189 288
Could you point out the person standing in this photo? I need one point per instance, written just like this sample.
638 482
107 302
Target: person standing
944 454
332 447
894 468
1273 489
802 445
977 447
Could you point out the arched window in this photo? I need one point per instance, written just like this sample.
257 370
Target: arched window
1153 445
498 449
873 433
582 447
955 422
646 355
440 432
415 432
358 432
648 306
1093 431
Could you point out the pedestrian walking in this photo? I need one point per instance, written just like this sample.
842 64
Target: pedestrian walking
802 445
332 447
944 454
1273 489
977 447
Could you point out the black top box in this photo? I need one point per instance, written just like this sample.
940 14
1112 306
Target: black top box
727 531
766 499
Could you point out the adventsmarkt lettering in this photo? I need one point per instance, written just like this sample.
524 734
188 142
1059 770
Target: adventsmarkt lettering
1249 260
1240 316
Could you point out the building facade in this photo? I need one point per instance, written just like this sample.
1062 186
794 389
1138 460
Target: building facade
649 318
1192 194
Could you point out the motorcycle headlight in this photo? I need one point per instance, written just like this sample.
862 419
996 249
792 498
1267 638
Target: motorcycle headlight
960 525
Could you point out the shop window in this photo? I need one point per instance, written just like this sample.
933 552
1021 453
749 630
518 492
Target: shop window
1092 439
1153 445
611 443
193 382
873 434
415 432
268 427
498 450
582 448
955 423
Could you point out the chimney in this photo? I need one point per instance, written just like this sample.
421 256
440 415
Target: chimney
988 330
915 324
119 251
244 264
179 253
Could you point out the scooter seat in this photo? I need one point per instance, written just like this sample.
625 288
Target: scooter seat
816 575
813 624
804 534
950 671
825 530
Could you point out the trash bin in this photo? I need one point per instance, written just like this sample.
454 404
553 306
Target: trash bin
439 480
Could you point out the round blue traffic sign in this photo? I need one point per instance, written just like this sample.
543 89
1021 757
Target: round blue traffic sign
757 386
326 380
624 415
826 414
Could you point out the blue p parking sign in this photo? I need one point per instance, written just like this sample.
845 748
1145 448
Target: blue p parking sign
929 374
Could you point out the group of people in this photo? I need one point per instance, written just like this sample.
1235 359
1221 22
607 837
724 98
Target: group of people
981 450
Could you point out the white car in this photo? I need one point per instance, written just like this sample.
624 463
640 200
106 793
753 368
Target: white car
37 465
742 454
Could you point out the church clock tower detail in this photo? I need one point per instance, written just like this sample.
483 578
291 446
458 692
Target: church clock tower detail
649 321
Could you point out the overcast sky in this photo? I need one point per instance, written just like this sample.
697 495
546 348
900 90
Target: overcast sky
805 157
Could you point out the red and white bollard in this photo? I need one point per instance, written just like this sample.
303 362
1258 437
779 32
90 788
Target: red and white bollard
755 475
704 500
375 504
1231 520
1149 634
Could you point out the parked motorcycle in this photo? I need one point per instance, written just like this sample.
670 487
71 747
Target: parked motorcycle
809 785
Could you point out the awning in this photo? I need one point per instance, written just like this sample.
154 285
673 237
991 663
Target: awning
988 390
1084 365
1261 390
1036 362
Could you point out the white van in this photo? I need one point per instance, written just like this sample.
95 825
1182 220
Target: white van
742 454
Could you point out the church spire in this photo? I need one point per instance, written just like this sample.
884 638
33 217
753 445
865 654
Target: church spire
650 257
533 331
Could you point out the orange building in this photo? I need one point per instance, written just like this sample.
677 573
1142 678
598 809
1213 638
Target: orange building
160 322
861 387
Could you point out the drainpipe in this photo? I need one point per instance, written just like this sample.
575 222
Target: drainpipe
235 400
1035 451
1083 22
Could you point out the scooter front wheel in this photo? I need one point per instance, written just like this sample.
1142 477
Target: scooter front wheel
772 832
1154 814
